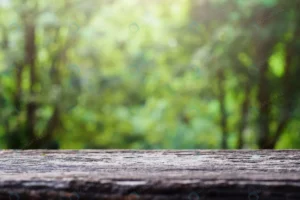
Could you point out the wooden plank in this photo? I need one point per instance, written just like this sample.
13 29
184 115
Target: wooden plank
159 175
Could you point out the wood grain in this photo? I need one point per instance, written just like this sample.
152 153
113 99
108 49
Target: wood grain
159 174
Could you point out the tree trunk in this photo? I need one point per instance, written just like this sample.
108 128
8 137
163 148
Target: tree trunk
263 97
244 116
222 104
30 56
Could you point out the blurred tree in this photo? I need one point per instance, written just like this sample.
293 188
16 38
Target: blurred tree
184 74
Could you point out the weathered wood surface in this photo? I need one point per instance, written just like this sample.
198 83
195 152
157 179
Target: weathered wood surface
165 175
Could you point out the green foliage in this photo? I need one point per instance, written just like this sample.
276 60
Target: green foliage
132 74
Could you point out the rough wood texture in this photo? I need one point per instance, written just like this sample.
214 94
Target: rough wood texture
165 175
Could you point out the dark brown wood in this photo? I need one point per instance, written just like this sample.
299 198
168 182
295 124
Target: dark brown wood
158 175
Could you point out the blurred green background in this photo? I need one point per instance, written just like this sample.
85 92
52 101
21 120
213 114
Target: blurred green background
184 74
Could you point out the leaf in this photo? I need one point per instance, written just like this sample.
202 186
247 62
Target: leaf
277 60
270 3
